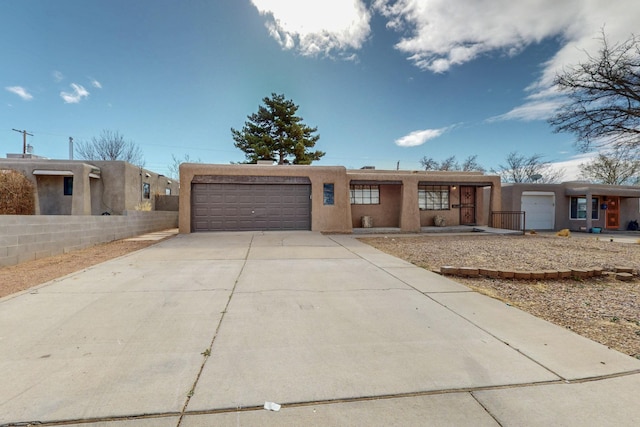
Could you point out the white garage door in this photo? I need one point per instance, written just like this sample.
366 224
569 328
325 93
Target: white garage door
540 210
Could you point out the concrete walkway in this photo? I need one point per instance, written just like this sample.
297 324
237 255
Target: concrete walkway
203 329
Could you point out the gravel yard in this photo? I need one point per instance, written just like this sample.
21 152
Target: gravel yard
603 309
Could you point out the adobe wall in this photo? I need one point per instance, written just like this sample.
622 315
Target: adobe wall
411 218
385 214
334 218
28 237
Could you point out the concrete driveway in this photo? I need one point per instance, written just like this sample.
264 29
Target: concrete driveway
203 329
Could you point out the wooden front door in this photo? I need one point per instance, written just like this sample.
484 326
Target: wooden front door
613 213
467 205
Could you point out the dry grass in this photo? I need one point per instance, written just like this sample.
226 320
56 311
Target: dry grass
602 309
23 276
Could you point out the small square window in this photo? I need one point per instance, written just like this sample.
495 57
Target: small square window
328 194
68 185
146 190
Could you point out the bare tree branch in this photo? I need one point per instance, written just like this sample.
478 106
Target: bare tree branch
520 168
602 97
619 166
110 145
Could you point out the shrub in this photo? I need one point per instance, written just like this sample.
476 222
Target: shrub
16 194
144 206
564 233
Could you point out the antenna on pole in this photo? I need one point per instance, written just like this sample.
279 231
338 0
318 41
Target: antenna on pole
24 139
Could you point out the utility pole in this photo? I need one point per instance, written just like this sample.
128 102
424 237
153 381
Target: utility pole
70 148
24 140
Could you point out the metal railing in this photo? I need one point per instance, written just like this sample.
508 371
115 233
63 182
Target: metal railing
509 220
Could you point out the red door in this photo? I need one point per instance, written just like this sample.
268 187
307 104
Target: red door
613 213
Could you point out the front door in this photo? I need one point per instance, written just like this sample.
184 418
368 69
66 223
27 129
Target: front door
467 205
613 213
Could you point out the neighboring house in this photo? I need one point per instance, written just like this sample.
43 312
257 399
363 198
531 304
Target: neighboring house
84 187
575 206
329 199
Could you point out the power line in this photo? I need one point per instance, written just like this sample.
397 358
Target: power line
24 139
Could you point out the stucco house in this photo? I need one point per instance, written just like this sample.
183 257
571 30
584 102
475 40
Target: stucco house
577 206
329 198
82 187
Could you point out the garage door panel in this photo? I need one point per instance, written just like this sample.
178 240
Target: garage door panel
540 211
251 207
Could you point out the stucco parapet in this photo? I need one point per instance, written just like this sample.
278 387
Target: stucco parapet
189 170
418 176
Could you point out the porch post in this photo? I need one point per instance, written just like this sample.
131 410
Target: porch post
410 212
589 211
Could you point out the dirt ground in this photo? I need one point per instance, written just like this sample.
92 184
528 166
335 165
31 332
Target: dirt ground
603 309
23 276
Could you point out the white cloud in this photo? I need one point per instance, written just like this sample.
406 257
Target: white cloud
440 34
419 137
57 76
96 84
20 91
79 92
571 167
317 27
531 110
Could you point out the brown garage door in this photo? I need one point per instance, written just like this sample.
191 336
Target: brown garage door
250 206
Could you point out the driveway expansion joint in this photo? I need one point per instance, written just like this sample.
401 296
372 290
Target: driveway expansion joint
207 352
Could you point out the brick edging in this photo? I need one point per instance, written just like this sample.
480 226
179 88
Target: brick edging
621 273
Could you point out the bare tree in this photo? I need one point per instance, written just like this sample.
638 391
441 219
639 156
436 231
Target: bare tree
429 163
602 97
520 168
471 164
110 145
619 166
451 164
174 167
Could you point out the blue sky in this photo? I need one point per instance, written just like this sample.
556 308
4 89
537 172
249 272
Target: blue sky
384 81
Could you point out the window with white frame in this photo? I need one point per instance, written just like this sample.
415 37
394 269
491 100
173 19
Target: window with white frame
433 197
365 194
579 208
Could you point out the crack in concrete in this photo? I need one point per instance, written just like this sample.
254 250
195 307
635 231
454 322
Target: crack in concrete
207 352
298 404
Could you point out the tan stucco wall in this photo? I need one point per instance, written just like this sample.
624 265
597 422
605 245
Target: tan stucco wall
398 193
118 189
123 184
385 214
411 218
629 210
328 218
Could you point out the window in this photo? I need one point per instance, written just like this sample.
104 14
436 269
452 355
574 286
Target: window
579 208
167 191
365 194
146 190
328 194
433 197
68 185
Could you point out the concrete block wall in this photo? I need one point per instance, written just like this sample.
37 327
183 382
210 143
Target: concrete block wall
28 237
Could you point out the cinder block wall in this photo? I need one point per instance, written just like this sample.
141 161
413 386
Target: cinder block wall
28 237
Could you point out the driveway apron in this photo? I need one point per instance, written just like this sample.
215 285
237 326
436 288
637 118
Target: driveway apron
203 329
